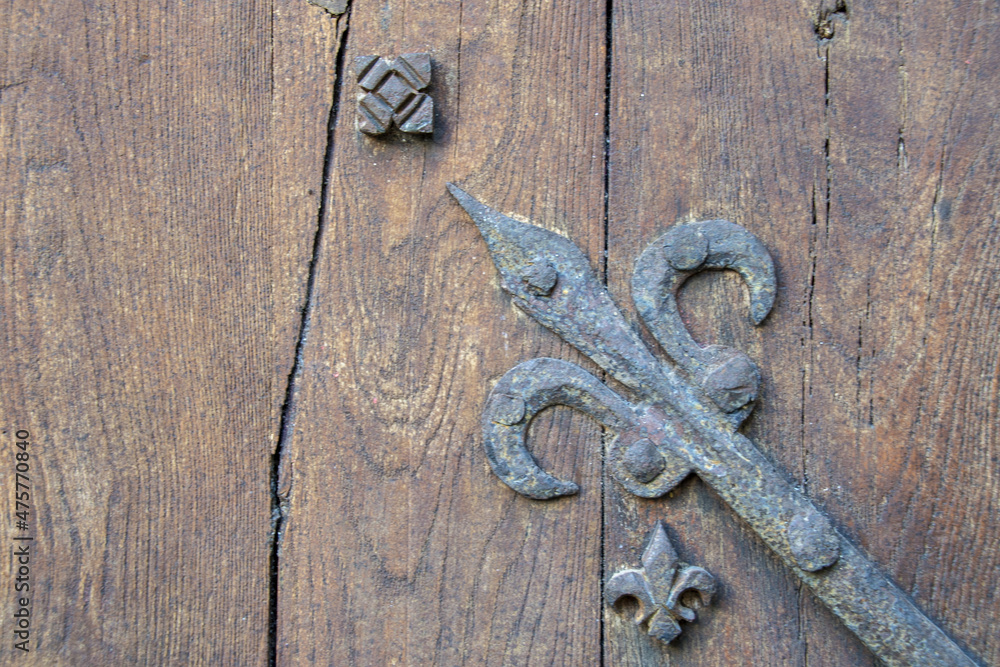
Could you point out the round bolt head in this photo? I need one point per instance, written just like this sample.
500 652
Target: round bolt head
685 248
506 410
733 383
541 278
813 541
643 460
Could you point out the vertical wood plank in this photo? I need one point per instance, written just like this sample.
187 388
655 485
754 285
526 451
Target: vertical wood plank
154 255
831 133
400 546
905 370
163 168
716 112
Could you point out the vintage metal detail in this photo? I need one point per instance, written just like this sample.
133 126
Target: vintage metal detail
659 585
686 414
391 94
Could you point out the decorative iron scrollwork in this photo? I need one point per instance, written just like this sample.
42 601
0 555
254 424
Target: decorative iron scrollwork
687 414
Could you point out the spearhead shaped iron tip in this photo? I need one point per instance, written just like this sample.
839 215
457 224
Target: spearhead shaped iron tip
530 259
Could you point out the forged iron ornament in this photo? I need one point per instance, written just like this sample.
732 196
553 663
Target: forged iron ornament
391 94
659 585
687 414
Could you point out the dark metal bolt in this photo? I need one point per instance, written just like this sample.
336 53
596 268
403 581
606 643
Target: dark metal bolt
541 278
506 410
733 383
686 249
643 460
813 541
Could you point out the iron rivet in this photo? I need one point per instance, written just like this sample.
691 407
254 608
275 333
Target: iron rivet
643 460
813 541
541 278
391 93
686 249
733 383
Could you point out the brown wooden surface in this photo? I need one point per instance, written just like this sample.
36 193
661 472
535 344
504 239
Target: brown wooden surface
880 359
160 180
167 251
714 113
399 547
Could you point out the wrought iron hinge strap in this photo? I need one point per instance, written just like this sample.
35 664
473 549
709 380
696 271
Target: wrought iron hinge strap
686 418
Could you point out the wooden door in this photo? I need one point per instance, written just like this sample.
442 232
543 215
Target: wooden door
250 346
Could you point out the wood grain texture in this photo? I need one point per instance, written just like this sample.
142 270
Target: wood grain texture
905 307
160 181
399 545
196 336
848 156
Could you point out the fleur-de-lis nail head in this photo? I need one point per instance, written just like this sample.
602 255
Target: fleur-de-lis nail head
659 585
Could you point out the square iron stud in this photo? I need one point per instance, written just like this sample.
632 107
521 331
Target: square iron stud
391 94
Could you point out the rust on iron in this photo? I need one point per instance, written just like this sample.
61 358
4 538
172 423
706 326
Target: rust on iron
658 586
688 412
813 541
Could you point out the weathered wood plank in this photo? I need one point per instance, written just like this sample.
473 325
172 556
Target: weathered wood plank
400 546
879 361
716 113
154 253
161 193
904 310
